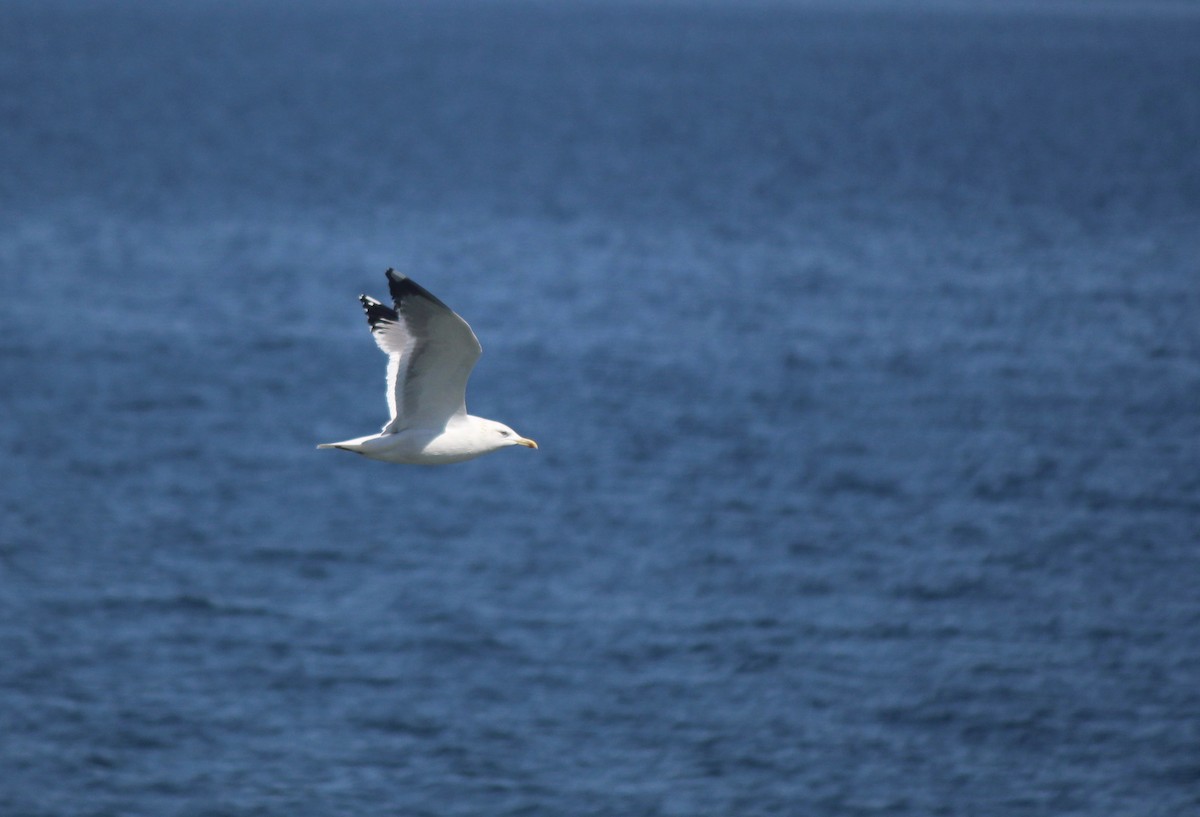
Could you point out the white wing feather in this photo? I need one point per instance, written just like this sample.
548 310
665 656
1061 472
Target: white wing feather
431 352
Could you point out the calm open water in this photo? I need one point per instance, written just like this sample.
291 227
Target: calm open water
862 346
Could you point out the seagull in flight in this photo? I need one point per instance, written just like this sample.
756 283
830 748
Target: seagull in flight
431 352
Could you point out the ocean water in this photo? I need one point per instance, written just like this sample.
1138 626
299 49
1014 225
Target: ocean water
862 343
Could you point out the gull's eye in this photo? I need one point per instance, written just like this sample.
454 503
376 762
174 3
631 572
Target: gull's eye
503 433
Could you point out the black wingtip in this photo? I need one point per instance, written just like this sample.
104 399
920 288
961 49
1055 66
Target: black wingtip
376 312
401 286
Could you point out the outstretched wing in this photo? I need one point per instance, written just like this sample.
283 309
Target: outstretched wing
430 350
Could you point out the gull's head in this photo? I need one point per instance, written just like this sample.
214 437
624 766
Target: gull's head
506 436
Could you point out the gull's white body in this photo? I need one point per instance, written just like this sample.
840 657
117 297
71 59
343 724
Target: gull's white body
431 352
462 439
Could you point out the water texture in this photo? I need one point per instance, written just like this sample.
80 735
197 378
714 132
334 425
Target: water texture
861 343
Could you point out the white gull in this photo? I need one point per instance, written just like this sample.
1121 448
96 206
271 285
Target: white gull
431 352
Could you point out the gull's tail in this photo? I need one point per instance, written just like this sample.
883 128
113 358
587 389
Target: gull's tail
355 445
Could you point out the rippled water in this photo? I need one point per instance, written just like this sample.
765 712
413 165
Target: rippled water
861 347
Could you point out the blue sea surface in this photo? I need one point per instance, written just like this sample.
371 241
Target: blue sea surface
862 343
